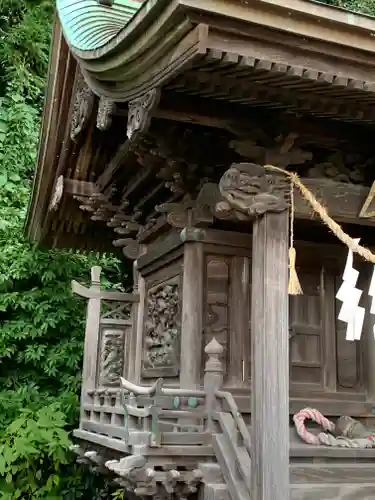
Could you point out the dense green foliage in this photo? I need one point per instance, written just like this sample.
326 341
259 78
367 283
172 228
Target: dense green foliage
41 324
363 6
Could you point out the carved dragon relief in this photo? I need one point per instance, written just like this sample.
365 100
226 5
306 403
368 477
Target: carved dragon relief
82 108
162 331
112 357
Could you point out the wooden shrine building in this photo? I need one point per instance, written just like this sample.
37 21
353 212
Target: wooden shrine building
159 119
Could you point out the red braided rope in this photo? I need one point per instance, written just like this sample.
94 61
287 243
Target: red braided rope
314 415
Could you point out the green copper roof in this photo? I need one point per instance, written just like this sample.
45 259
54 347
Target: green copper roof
88 25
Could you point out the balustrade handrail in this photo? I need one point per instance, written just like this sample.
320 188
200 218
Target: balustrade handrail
139 390
240 423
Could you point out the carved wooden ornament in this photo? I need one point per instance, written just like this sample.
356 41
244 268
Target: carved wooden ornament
82 108
248 190
161 353
57 193
105 111
131 248
112 357
140 112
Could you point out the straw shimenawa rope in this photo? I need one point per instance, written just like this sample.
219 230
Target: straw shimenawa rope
294 285
322 212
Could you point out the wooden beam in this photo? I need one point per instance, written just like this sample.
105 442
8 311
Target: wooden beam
270 363
234 118
342 201
79 188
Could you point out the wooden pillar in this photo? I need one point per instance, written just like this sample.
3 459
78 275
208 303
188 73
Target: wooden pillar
270 363
140 286
137 341
91 347
192 315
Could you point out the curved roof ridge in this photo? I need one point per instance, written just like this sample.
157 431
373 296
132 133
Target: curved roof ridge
89 25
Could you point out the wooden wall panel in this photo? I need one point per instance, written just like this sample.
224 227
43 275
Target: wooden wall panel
227 313
216 310
307 333
161 325
349 369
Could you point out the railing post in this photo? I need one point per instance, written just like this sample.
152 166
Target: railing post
90 359
213 376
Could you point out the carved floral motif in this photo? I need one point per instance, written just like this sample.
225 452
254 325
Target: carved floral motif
162 331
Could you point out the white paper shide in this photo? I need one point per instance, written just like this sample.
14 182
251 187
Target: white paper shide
351 313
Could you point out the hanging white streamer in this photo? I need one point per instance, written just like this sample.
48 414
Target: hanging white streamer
351 313
371 292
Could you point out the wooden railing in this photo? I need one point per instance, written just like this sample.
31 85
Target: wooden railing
161 416
138 419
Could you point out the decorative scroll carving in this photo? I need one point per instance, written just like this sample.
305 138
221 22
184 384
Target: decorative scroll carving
162 331
105 111
185 214
282 154
130 227
340 168
136 475
130 247
247 188
92 458
244 191
82 108
211 203
112 357
140 111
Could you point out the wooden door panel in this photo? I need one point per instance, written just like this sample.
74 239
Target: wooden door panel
349 373
307 332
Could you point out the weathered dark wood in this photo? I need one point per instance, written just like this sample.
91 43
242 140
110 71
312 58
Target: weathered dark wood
136 353
270 370
331 472
216 301
239 338
91 351
333 492
342 201
368 341
192 316
327 303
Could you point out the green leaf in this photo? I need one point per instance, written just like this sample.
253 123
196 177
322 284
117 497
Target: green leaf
3 177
